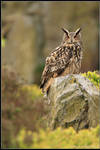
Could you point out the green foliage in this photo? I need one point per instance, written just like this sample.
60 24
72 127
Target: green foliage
38 71
94 77
33 91
24 118
3 42
39 68
22 106
59 138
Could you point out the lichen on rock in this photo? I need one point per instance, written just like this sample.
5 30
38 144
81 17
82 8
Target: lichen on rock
74 102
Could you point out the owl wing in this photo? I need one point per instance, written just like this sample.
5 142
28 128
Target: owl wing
56 62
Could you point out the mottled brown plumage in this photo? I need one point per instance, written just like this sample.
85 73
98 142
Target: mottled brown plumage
65 59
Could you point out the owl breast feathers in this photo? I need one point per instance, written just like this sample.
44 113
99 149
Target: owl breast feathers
64 60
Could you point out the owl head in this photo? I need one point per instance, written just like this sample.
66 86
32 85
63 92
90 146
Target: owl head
71 37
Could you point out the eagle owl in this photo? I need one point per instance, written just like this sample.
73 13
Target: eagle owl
63 60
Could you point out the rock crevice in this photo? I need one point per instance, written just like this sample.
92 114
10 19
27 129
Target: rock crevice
74 102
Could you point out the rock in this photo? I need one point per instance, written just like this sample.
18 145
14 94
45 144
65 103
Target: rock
24 46
23 30
74 102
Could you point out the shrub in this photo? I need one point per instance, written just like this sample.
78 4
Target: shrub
59 138
24 113
33 91
3 42
94 77
22 106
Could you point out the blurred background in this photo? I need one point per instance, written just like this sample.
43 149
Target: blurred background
30 31
33 29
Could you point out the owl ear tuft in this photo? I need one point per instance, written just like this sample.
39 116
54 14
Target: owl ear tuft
77 31
65 30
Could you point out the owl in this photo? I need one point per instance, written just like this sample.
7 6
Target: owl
63 60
